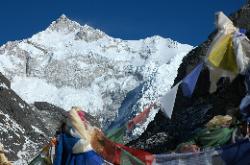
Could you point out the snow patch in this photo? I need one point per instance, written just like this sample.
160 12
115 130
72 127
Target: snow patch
25 154
34 89
4 86
10 124
37 130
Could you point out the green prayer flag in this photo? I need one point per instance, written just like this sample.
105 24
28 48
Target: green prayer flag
213 137
117 134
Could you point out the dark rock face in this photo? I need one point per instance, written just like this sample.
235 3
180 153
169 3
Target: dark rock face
4 80
56 116
241 17
18 124
24 128
163 135
51 115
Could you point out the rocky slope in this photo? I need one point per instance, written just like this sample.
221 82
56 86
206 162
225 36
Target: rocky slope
25 128
21 131
162 134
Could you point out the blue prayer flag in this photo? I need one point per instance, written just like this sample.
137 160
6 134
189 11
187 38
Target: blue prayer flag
59 151
245 102
189 82
126 112
243 31
65 156
247 80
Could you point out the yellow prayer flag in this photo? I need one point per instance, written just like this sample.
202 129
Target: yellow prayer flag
222 54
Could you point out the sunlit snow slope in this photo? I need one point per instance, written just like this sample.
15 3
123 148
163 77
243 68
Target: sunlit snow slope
73 65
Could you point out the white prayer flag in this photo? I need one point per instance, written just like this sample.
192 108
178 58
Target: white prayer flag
167 101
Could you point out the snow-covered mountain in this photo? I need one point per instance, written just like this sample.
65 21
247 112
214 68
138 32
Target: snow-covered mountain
72 65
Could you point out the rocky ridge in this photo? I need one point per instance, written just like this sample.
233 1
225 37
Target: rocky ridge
163 135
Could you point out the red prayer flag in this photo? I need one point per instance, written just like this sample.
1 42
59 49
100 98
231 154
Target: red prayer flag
140 117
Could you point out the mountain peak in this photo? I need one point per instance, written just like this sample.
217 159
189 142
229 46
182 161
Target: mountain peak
87 26
64 19
63 16
63 23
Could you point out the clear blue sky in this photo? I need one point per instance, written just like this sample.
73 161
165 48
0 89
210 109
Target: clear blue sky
186 21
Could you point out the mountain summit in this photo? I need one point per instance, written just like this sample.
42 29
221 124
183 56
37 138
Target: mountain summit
66 26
